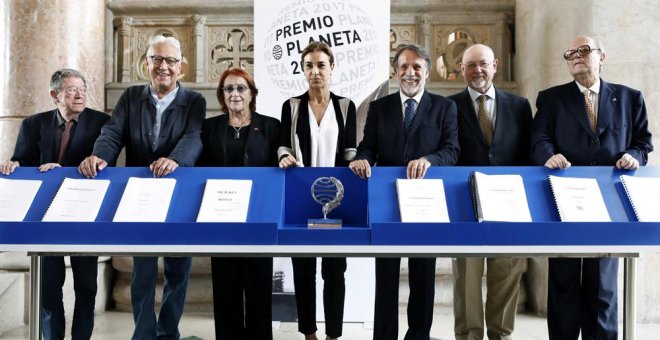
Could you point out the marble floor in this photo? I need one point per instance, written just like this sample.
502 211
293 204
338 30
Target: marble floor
118 325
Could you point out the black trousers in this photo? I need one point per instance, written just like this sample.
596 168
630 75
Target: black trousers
334 291
236 279
420 303
582 296
84 270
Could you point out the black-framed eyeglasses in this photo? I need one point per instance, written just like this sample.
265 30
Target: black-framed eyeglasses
229 89
481 64
157 60
580 51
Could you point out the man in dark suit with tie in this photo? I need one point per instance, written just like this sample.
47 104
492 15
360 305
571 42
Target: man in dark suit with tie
587 122
160 125
416 129
494 128
62 137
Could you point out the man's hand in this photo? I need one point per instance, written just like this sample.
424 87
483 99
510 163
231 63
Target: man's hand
7 167
417 168
288 161
48 166
163 166
361 168
90 165
627 162
557 161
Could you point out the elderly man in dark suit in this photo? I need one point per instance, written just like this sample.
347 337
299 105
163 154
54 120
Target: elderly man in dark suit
416 129
160 125
587 122
494 128
62 137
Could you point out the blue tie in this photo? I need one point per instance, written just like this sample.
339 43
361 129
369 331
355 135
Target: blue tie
411 105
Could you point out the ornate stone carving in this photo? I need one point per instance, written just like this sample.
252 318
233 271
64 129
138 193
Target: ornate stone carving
199 21
399 35
230 47
449 42
140 43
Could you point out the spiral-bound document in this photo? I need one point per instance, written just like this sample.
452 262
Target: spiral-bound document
77 200
499 198
225 200
644 196
16 196
579 199
145 200
422 200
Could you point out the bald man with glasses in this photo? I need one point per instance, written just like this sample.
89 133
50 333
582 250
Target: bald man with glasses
587 122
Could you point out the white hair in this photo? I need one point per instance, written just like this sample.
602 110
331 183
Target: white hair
160 39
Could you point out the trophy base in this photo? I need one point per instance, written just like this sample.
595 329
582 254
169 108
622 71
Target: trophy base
323 223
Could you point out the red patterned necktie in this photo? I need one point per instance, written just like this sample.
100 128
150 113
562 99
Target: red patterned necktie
64 143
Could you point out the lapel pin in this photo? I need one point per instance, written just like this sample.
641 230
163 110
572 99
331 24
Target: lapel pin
614 99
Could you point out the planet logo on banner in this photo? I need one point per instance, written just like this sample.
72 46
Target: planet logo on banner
344 25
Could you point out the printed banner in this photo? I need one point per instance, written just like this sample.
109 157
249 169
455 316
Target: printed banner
357 32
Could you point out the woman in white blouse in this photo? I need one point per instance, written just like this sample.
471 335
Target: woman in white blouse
318 130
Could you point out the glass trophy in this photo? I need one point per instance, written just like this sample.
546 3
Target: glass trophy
328 192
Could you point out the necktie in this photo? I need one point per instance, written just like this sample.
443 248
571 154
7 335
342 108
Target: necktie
590 109
64 143
411 105
485 122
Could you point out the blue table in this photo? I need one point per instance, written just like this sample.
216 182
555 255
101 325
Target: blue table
281 203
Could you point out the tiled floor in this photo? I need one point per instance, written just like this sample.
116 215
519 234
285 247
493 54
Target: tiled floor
117 325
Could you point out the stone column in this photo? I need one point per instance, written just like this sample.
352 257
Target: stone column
123 25
39 37
200 55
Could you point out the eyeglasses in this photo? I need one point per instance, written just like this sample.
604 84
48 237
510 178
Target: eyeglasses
157 60
482 64
580 51
229 89
73 90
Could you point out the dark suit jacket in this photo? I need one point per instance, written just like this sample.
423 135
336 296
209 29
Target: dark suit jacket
561 126
345 139
132 122
513 127
37 144
260 148
433 133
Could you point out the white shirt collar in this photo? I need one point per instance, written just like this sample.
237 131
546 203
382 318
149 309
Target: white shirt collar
474 94
417 97
595 88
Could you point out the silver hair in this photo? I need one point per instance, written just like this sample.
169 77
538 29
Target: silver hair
57 79
418 49
159 39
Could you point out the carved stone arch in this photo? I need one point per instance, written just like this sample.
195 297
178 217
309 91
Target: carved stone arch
452 42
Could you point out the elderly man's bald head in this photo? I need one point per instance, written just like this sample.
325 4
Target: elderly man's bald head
479 67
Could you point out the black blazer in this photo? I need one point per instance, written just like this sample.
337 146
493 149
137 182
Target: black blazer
561 126
36 142
433 133
132 122
511 136
345 139
260 148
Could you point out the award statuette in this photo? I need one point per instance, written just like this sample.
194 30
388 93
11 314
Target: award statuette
328 192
